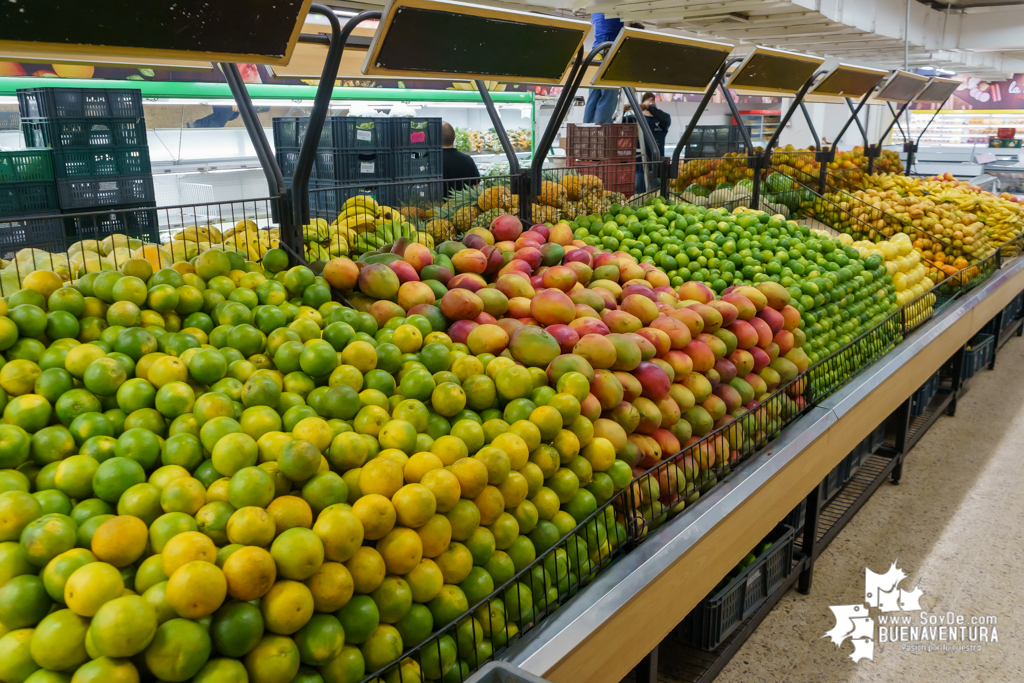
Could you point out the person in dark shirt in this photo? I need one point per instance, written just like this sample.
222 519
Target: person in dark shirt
659 122
459 168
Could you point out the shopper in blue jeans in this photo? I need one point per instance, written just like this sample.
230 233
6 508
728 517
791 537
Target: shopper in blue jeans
601 104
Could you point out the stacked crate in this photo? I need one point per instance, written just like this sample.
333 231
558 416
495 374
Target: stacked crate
100 157
27 189
362 156
606 150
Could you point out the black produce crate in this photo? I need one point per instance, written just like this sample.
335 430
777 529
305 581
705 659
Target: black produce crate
84 132
96 162
1010 314
924 395
362 132
416 163
76 103
140 221
88 193
10 120
326 199
23 199
290 131
339 167
43 233
796 518
831 484
722 611
26 166
430 192
409 132
978 355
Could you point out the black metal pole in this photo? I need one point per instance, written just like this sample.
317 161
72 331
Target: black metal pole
798 101
708 94
810 126
757 158
855 111
321 104
247 112
856 119
572 85
930 121
892 110
499 127
895 121
739 121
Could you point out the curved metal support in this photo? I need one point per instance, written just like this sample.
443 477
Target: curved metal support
708 94
810 126
739 121
895 121
797 101
892 110
561 109
930 121
853 117
304 165
499 127
856 119
264 152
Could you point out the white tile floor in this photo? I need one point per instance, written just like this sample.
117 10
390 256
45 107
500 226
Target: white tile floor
956 523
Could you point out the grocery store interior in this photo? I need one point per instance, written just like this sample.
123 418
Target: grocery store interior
519 341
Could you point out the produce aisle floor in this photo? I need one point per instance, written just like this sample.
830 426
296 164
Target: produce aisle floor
956 525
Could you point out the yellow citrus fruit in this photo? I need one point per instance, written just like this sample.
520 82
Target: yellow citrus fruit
90 586
455 563
316 431
490 503
341 531
496 462
381 476
414 505
251 525
514 447
419 464
514 490
600 453
445 488
120 541
196 589
449 449
472 476
367 569
464 518
290 512
377 515
286 607
190 546
435 535
298 554
425 580
401 549
331 586
249 572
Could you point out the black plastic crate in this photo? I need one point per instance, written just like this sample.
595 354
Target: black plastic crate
328 164
26 166
290 131
797 516
978 354
1010 314
79 103
44 233
364 132
410 132
722 611
924 395
25 199
416 163
424 194
87 193
327 199
96 162
10 120
835 480
65 133
140 221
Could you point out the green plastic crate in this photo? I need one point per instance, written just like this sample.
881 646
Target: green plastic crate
26 166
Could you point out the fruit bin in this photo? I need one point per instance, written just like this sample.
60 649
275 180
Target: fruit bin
722 611
26 166
84 132
139 221
79 102
424 163
409 132
22 199
601 141
87 193
97 162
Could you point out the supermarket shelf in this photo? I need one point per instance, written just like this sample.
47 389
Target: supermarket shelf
628 610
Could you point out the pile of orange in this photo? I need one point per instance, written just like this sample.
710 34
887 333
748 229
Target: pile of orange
215 473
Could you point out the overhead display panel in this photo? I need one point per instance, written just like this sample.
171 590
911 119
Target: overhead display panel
776 72
938 91
106 60
470 42
658 61
308 58
847 80
902 87
255 31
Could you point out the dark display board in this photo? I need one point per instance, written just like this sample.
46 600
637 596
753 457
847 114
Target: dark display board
849 81
261 31
473 42
774 71
657 61
938 91
902 87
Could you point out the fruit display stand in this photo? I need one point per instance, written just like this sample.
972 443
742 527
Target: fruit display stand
606 630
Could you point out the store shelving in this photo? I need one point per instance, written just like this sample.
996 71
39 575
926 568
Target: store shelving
963 128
